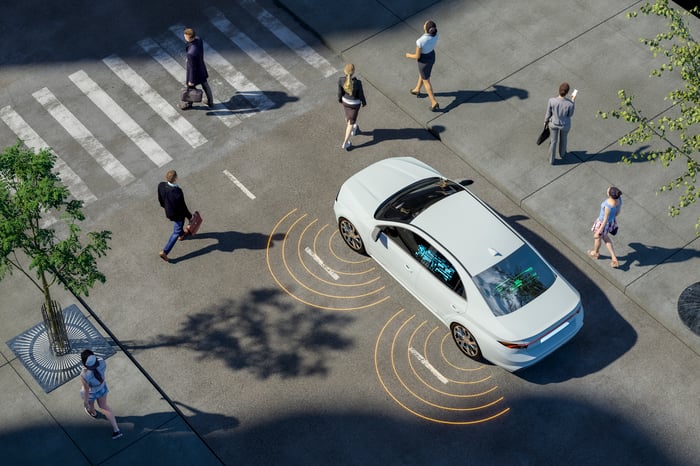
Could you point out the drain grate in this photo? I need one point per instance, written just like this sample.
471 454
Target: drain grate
689 307
50 372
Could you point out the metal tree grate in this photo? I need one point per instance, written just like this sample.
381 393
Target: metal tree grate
689 307
33 350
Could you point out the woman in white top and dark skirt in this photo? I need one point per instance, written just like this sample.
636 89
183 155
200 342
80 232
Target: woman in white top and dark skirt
425 55
351 95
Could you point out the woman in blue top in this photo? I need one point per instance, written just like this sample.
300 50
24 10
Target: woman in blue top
606 221
425 55
95 388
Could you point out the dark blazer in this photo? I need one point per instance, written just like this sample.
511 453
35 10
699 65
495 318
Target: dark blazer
172 199
357 91
196 69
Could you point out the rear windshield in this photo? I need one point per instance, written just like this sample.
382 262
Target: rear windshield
515 281
408 203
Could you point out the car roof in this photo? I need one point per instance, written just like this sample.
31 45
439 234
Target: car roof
467 228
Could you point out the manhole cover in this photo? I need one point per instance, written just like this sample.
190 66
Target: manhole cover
689 307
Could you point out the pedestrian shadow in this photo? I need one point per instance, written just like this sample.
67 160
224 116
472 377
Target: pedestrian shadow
238 104
229 241
606 156
644 256
162 422
388 134
495 93
264 333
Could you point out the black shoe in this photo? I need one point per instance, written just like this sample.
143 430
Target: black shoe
116 435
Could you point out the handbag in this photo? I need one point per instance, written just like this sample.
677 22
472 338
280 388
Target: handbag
613 230
191 94
544 134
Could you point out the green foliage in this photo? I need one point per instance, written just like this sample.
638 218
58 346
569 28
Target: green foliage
30 193
679 135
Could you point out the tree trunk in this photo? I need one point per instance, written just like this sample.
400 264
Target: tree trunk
56 328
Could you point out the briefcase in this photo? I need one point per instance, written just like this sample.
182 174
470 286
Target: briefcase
544 134
196 221
191 94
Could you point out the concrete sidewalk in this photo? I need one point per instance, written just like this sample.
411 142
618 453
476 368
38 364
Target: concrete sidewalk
498 62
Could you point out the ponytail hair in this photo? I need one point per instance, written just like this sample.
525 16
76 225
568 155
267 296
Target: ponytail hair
349 70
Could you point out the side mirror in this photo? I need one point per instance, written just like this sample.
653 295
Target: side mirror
375 233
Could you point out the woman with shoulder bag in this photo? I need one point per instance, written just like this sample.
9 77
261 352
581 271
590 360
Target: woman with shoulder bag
606 224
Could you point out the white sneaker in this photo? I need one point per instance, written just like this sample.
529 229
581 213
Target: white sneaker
346 146
355 129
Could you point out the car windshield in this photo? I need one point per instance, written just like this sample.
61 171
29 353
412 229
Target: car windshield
515 281
408 203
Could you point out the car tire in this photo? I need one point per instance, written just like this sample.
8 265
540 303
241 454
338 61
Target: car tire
350 235
465 341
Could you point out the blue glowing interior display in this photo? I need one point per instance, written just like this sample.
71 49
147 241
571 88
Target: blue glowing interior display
435 263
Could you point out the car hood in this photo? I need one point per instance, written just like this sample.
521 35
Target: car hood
376 183
539 315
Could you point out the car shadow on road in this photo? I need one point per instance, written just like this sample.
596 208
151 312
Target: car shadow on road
605 335
229 241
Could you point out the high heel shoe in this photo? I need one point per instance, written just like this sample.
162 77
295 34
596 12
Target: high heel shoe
435 107
414 92
614 264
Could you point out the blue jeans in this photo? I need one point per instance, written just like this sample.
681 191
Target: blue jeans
177 231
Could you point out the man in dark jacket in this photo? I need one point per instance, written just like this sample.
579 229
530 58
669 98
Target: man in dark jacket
172 199
196 69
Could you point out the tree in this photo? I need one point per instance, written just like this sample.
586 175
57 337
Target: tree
30 194
676 129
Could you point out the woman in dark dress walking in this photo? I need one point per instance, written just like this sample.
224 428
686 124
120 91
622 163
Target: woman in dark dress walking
351 95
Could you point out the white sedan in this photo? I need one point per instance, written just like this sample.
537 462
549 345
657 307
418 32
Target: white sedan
501 300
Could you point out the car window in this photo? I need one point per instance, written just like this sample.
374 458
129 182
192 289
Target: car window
428 256
514 281
408 203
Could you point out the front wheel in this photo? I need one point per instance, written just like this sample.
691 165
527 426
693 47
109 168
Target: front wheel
350 235
465 341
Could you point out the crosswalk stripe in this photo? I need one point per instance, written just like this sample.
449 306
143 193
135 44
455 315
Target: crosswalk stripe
178 72
75 185
292 40
120 118
232 76
159 105
262 58
83 136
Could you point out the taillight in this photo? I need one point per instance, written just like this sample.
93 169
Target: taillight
510 345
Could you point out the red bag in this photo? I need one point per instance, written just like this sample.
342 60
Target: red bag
195 223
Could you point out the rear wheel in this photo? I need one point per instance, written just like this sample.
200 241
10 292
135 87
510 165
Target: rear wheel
465 341
350 235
